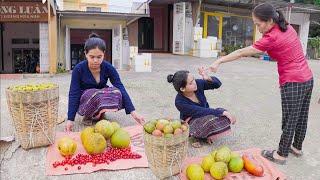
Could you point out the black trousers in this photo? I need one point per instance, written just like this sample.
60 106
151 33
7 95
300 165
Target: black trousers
295 99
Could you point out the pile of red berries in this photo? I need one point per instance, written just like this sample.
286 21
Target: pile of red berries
111 154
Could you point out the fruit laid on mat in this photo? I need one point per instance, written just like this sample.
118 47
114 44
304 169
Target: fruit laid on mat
120 139
94 139
166 144
33 87
95 142
67 146
222 161
111 154
251 166
165 128
195 172
105 128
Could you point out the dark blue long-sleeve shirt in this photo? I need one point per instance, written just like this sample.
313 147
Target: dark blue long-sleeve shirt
82 79
188 108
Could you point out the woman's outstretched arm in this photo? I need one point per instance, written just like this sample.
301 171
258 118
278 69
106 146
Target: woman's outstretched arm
244 52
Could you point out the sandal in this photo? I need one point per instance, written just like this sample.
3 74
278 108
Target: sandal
295 153
196 143
269 155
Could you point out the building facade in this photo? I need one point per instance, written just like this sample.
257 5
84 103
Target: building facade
78 19
171 25
28 30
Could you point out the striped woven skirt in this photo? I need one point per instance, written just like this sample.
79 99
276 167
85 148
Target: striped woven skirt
94 102
209 127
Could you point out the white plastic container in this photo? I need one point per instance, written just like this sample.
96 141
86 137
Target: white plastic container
133 51
197 33
142 62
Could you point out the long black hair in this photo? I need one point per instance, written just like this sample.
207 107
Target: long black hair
266 11
93 42
178 79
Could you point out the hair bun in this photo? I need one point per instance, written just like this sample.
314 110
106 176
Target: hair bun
170 78
94 35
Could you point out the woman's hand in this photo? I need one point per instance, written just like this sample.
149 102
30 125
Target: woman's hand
137 117
203 72
230 116
214 66
69 126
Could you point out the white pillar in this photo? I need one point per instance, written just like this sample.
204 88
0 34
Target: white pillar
117 47
43 47
67 49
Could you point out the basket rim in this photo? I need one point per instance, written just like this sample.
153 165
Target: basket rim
52 88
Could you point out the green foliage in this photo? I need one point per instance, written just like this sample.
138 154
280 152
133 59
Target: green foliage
315 2
61 70
230 48
314 30
314 43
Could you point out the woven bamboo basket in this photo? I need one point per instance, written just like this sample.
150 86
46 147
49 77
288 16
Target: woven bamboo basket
165 155
34 115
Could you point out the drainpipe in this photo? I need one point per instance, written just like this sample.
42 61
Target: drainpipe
290 8
58 38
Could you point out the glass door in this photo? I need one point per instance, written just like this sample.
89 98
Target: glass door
19 63
25 60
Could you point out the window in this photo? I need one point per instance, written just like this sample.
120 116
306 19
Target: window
94 9
237 31
20 41
35 41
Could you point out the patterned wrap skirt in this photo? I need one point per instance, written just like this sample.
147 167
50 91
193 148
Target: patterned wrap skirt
209 127
94 101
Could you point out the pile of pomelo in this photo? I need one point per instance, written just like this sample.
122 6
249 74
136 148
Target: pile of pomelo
94 139
221 161
165 128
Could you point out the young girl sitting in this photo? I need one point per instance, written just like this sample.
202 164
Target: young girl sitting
205 122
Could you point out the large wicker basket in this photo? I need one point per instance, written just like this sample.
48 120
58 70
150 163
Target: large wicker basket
34 115
165 155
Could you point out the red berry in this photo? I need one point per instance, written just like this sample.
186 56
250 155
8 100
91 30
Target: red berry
79 167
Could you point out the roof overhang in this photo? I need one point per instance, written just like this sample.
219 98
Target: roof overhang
101 15
279 4
164 2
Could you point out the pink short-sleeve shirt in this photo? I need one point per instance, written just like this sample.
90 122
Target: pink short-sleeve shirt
286 49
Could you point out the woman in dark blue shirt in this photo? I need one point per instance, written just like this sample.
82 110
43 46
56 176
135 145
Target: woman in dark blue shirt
89 94
205 122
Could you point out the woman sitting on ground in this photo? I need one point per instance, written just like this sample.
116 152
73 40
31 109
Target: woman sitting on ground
89 94
205 123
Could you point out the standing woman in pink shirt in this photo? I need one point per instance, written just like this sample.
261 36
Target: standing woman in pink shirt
281 42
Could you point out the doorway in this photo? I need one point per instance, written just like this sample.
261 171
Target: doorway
146 33
78 38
